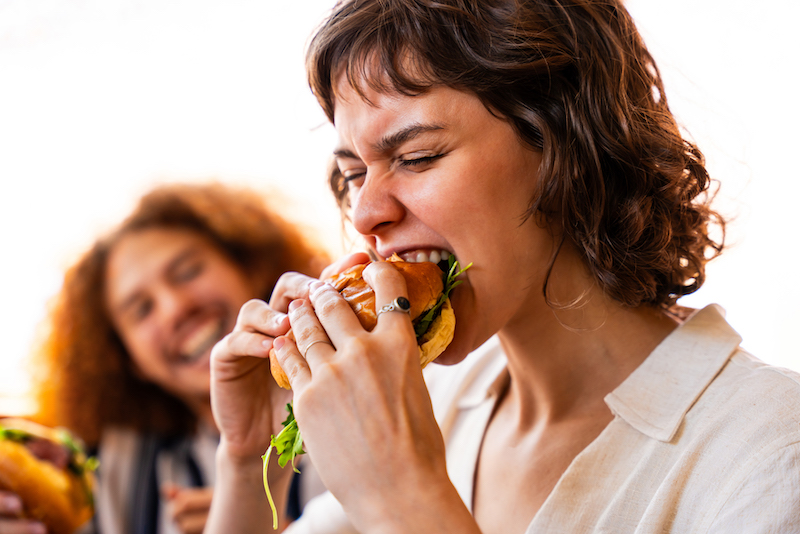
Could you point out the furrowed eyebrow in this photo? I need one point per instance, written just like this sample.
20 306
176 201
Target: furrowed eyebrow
396 139
392 141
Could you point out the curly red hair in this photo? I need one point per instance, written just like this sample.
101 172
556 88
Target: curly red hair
88 378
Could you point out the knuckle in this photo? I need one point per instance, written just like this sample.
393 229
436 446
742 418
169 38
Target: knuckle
290 277
222 346
251 308
302 330
292 372
327 305
292 282
381 273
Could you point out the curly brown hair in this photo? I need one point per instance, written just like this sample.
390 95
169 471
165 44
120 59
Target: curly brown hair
575 80
88 379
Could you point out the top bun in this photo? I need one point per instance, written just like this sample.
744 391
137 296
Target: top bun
424 285
423 282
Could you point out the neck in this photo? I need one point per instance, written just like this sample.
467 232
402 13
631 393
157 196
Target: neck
563 362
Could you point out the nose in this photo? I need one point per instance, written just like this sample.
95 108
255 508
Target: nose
374 206
173 305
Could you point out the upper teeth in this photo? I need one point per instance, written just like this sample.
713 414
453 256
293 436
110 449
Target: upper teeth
197 343
434 256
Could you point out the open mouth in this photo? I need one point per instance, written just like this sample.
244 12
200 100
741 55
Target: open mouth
439 257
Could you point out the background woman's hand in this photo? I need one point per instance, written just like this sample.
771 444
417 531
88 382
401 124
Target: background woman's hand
188 507
10 517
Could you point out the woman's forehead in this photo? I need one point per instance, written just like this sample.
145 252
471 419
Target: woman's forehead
377 72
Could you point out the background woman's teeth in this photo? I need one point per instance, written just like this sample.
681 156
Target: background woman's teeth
435 257
196 344
445 255
421 256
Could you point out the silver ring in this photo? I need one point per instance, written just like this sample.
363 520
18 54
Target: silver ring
314 343
400 304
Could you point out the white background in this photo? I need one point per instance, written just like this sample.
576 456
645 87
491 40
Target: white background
101 99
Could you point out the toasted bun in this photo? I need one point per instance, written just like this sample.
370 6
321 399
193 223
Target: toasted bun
424 284
57 497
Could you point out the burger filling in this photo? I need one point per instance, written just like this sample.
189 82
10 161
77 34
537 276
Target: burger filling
449 278
64 452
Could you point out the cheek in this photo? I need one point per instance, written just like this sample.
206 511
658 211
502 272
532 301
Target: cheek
142 346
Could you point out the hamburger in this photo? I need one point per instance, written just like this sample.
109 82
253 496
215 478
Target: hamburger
428 293
49 470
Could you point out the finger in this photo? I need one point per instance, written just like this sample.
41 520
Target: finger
388 284
192 523
10 504
238 344
290 286
256 327
191 500
308 331
256 315
343 263
170 490
292 362
21 526
332 313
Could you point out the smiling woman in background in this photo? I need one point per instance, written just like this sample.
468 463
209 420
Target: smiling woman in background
125 364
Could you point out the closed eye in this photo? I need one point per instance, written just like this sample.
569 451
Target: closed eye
419 162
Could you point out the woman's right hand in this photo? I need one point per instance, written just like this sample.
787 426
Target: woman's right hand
248 406
10 517
245 400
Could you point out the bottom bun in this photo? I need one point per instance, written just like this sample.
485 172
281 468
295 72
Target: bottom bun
56 497
438 336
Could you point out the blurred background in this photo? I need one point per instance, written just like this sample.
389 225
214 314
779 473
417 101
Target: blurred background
102 99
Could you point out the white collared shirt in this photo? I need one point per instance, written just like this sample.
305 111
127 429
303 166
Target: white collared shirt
705 439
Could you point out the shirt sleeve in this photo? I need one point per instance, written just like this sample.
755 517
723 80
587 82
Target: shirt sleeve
768 500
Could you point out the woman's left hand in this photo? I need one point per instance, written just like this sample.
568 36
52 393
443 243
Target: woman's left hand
362 405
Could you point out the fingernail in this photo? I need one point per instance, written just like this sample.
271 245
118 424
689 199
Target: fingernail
278 343
295 304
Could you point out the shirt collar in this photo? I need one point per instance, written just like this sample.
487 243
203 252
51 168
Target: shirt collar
488 375
655 398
